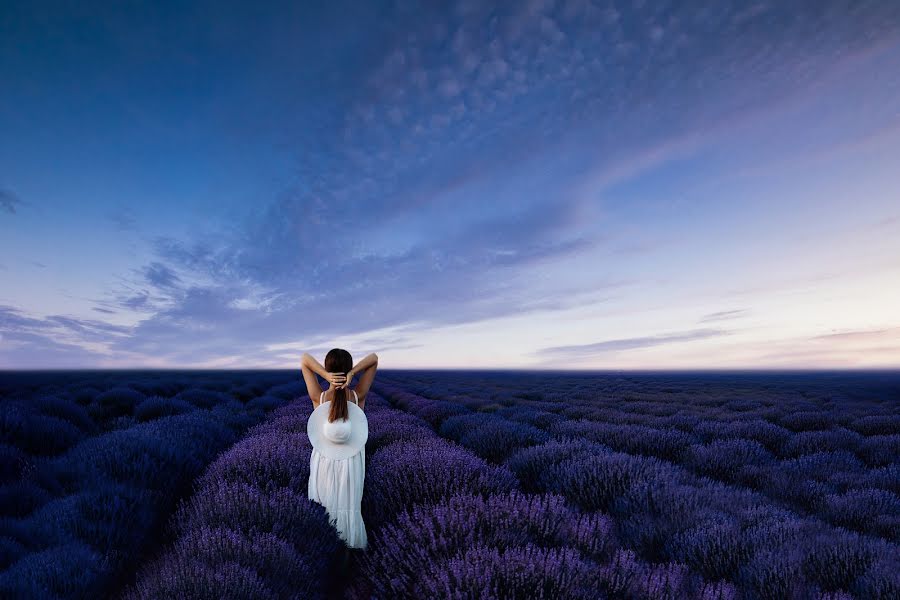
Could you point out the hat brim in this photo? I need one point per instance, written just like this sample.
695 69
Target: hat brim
359 431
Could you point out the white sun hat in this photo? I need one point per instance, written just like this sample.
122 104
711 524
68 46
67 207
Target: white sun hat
340 438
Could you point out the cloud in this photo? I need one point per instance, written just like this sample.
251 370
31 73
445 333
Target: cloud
9 201
883 356
12 319
631 343
384 340
160 275
843 349
310 291
447 278
88 329
137 302
123 219
56 341
789 282
889 334
723 315
27 350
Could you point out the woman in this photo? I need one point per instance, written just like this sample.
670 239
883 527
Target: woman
338 431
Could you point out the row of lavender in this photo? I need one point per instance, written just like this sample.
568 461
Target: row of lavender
677 522
440 519
248 530
45 415
94 463
444 522
806 443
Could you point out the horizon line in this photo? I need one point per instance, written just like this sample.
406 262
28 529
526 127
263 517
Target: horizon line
484 370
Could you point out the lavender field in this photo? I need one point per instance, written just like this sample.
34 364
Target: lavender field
478 485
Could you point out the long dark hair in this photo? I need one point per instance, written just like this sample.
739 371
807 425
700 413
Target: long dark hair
338 360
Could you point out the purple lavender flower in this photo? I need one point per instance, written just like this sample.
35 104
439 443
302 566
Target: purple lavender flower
404 473
517 572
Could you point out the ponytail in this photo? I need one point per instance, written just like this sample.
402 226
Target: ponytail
339 361
339 408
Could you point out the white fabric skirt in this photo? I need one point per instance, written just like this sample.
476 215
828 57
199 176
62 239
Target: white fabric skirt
337 484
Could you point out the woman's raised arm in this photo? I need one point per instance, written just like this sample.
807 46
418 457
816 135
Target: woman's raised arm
365 363
367 366
311 367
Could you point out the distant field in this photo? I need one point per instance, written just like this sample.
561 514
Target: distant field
478 485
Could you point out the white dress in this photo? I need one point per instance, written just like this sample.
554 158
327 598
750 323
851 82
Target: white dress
337 484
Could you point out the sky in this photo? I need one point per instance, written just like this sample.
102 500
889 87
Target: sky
465 184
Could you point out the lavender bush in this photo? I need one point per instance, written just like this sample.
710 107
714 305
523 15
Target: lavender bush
644 486
424 471
82 479
745 491
249 530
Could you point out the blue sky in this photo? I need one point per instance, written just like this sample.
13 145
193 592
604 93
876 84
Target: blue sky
568 184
